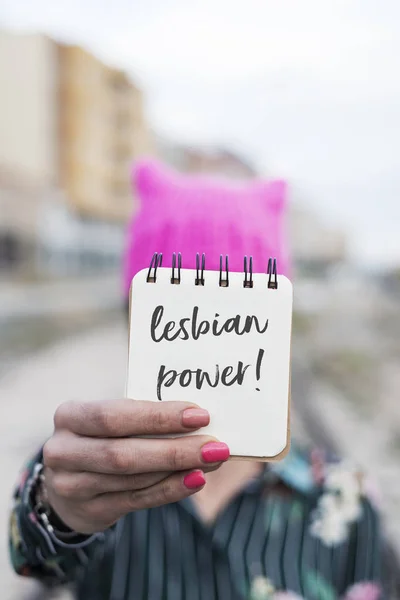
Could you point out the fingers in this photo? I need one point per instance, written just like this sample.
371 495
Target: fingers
98 465
83 486
130 456
76 486
172 489
124 418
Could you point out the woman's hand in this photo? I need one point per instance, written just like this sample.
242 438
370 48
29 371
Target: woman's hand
95 472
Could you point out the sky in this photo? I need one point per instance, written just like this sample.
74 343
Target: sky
307 89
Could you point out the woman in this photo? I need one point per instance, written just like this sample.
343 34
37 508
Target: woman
127 518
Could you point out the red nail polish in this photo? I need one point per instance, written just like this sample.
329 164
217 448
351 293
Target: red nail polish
194 480
215 452
195 417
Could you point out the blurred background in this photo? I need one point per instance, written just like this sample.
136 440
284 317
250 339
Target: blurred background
308 91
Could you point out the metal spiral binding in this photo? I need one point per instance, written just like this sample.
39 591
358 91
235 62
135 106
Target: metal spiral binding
156 262
176 280
223 281
248 274
272 274
200 272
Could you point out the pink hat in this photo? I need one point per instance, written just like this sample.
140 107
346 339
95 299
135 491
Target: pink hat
190 214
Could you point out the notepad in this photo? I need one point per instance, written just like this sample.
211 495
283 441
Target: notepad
221 340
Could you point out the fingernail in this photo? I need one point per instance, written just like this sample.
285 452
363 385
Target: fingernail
215 452
195 417
194 480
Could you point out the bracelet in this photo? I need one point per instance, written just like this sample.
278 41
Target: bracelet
49 520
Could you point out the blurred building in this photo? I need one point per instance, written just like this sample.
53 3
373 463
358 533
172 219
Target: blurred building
70 126
217 161
101 129
75 245
29 107
20 199
211 160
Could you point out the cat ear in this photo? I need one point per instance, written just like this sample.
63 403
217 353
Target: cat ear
151 182
144 177
274 195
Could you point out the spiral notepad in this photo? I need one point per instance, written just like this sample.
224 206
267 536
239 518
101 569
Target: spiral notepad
218 339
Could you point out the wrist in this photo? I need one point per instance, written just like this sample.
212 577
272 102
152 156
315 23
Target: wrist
48 519
43 506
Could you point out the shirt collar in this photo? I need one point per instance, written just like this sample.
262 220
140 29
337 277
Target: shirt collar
294 471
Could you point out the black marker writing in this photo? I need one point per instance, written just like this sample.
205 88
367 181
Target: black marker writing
258 366
194 328
199 377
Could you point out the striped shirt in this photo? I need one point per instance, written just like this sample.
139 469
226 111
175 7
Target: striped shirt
283 532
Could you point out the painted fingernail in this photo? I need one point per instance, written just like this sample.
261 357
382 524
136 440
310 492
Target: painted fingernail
195 417
194 480
215 452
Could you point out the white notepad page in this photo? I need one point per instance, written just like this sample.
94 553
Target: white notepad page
226 349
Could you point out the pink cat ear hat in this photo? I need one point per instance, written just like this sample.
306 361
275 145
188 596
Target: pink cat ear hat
190 214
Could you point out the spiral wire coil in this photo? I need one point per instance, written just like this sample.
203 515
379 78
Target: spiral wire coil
156 262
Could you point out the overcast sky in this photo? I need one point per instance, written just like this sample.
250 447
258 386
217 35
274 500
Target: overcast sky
309 89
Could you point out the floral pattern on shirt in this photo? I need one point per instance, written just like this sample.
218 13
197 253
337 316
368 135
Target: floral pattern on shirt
263 589
340 505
